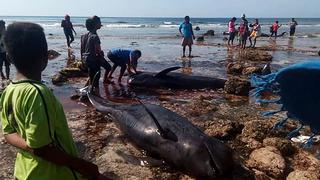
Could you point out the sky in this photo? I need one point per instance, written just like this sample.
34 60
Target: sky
161 8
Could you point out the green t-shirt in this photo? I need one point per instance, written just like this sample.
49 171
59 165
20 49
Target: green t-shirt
23 111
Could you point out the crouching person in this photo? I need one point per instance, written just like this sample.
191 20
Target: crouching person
126 59
32 118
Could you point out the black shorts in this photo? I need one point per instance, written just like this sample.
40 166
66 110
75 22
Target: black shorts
232 35
94 66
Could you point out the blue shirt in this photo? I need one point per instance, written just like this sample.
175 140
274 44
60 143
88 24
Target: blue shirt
186 29
122 55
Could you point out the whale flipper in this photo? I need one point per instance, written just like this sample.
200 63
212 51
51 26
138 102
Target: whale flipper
166 71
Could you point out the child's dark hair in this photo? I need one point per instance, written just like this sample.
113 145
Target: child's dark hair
137 53
277 21
2 23
26 46
90 24
187 17
96 20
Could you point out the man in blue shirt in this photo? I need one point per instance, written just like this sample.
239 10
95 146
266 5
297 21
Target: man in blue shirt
126 59
188 36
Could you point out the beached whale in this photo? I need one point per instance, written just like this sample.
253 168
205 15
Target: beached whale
170 137
174 80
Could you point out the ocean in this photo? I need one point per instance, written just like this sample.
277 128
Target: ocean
133 26
160 43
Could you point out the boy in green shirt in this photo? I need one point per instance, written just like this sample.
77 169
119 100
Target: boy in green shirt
32 118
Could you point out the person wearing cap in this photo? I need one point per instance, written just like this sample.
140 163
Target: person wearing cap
68 29
3 54
244 31
92 53
126 59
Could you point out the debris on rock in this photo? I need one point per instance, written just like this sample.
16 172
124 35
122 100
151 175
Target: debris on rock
252 70
237 86
284 145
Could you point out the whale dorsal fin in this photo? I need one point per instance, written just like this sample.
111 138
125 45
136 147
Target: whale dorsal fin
166 71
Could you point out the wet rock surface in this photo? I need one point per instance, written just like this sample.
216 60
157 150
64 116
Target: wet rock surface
237 86
52 54
75 69
303 175
268 160
209 33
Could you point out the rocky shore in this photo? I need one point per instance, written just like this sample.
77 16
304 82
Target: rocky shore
227 114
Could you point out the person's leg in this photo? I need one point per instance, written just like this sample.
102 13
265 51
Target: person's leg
7 64
71 38
254 42
250 40
123 69
232 38
190 50
2 56
107 67
275 34
184 51
68 39
114 67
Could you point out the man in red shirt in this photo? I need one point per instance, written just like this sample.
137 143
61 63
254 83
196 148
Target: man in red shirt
275 27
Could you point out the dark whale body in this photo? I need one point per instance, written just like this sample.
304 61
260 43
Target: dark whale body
174 80
167 135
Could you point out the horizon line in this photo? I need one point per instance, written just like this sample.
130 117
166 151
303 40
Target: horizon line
78 16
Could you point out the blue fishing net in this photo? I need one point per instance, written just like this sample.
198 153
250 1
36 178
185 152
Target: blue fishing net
297 89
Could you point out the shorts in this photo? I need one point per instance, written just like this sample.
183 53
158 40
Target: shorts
187 41
94 65
232 35
254 34
4 59
244 37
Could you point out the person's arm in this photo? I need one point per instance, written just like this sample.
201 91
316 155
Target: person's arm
192 32
62 23
129 65
180 28
75 33
55 155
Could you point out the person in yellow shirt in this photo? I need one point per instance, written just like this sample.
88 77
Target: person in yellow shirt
32 118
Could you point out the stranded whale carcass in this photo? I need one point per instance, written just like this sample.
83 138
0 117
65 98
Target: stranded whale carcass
174 80
167 135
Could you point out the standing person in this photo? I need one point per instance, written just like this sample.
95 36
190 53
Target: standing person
256 32
126 59
186 31
275 27
293 25
68 30
92 53
232 30
32 118
3 54
244 31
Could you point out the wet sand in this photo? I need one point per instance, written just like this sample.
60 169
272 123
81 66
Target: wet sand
235 120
